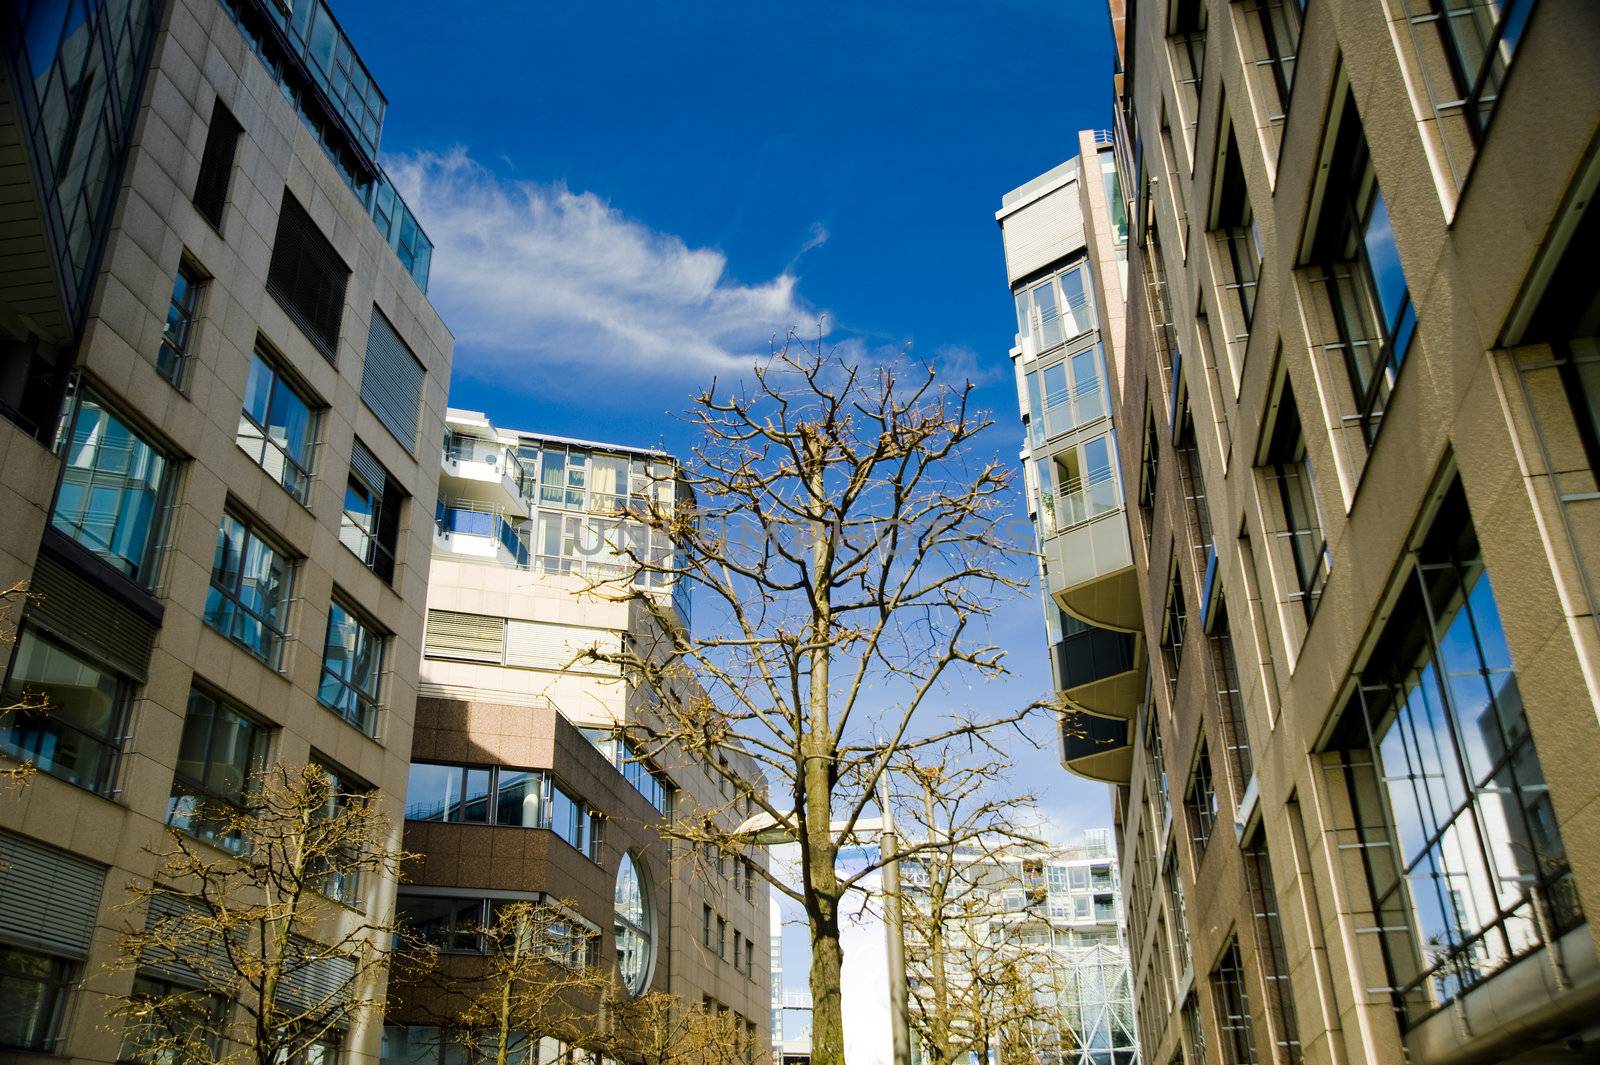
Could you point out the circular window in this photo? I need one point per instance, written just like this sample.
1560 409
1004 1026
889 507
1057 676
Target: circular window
634 926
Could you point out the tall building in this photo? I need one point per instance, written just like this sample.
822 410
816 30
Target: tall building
222 384
1358 409
517 730
1054 911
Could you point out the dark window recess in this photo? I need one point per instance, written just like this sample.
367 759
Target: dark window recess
1201 803
216 164
391 380
307 277
370 525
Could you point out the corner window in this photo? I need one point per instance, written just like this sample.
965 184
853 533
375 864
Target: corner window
114 485
72 713
352 668
278 427
220 755
634 926
172 360
251 581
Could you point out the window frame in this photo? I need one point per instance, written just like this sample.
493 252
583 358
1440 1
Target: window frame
281 378
272 654
202 794
59 983
368 714
176 350
113 742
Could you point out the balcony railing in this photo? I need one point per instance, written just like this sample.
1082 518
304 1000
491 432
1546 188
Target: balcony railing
1093 655
475 519
1087 498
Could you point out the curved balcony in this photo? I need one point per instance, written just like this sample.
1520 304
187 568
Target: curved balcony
1089 564
1099 670
1096 747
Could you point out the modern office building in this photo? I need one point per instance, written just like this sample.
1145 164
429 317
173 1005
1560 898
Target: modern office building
1357 409
1053 911
518 730
222 384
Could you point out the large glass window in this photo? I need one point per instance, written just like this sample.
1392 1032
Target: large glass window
634 926
219 756
175 1013
250 585
113 485
278 427
70 720
1085 482
1366 286
1465 859
352 667
475 795
1232 1003
33 998
1056 309
1290 467
1067 395
370 525
173 358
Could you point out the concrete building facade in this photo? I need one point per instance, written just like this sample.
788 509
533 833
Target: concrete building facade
221 382
1357 414
517 730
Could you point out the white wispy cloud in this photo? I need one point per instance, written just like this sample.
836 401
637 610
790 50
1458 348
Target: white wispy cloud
533 274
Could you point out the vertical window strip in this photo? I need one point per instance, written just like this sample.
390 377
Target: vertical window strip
1231 1001
1271 952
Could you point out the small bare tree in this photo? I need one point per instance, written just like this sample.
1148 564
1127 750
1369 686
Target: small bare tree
529 970
247 951
661 1029
14 703
844 550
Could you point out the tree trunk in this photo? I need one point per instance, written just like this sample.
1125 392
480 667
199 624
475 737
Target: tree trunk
827 1004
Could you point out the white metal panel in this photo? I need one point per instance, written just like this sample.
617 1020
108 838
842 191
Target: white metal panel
1043 231
544 645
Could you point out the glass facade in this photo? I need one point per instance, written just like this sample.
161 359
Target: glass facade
499 795
1466 863
113 486
71 715
251 582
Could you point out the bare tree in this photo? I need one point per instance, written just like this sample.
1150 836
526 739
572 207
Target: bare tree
244 948
528 972
12 704
844 550
660 1029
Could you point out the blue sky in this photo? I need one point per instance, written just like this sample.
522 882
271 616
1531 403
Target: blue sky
629 199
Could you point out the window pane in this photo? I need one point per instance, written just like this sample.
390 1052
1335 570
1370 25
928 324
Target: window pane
475 802
517 798
33 992
433 793
109 499
76 734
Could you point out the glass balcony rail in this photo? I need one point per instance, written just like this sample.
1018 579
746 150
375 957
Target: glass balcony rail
474 519
1052 324
1092 655
1087 498
1067 410
319 72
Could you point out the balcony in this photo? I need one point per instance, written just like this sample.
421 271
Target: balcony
1089 559
485 472
1099 670
1097 747
463 527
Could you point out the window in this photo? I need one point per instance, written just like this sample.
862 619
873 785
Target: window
251 580
1359 264
1230 701
1056 309
471 795
634 926
71 721
340 875
1155 753
33 997
518 643
114 484
749 959
216 164
352 667
1459 835
452 924
1066 395
1194 1029
572 821
1173 878
177 336
1232 1004
722 939
278 427
1272 34
705 925
1479 40
1288 465
1237 237
1149 470
1079 484
1174 627
219 756
470 637
172 1012
738 951
1186 36
1197 508
1270 950
370 526
1115 202
307 277
1200 802
391 381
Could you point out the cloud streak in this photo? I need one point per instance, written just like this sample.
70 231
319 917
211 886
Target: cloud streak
533 275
